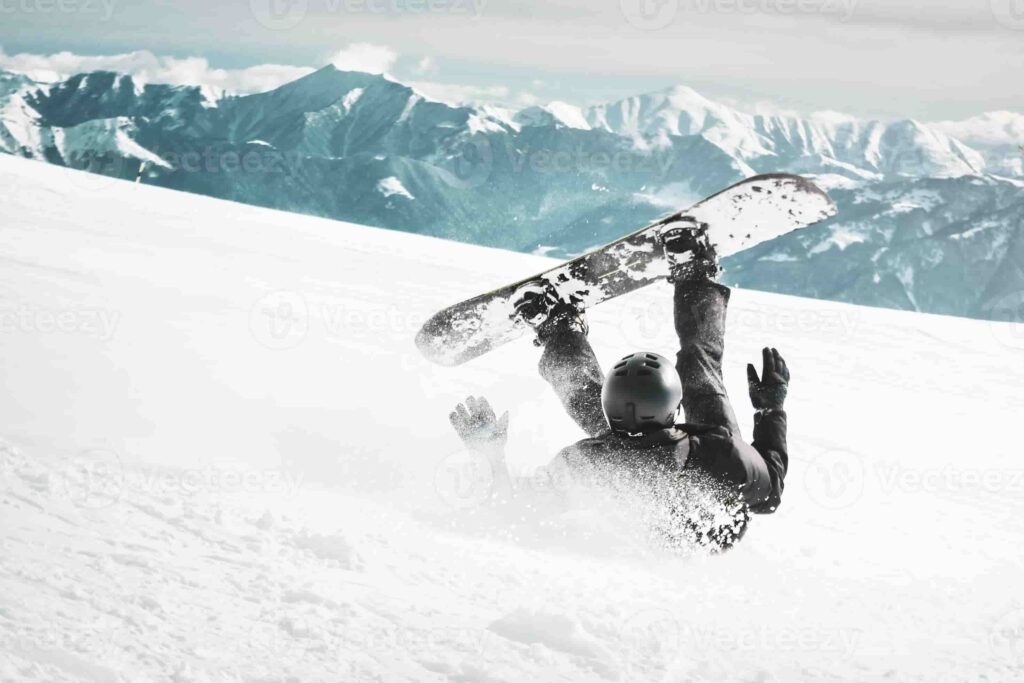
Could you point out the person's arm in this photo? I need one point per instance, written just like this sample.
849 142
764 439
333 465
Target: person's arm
768 394
484 433
571 368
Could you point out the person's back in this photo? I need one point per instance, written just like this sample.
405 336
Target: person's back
709 477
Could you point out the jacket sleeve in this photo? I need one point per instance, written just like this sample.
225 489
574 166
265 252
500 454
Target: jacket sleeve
770 442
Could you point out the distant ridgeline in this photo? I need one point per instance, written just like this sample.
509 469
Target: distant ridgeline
927 222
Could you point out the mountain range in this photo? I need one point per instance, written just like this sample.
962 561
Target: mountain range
930 214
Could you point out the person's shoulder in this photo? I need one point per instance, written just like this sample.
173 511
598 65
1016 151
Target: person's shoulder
596 443
585 450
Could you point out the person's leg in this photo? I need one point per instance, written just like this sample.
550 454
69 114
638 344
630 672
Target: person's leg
571 368
700 311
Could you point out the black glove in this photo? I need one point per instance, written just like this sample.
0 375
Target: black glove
769 392
477 425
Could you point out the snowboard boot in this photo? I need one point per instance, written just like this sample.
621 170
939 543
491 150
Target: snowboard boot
689 251
539 305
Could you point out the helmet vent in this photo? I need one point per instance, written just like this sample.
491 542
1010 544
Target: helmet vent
651 356
643 373
653 364
622 373
620 365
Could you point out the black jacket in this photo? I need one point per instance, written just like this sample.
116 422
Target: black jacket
753 474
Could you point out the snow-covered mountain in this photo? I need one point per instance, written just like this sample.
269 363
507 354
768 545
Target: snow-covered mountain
942 245
554 179
767 143
222 458
998 135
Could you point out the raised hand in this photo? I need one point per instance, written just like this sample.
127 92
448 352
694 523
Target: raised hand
769 391
477 426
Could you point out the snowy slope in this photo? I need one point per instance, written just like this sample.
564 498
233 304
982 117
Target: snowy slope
223 459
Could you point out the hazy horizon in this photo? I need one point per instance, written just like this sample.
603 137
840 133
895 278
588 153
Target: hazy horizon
865 57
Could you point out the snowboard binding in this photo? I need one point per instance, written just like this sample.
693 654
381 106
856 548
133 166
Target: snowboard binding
689 251
538 305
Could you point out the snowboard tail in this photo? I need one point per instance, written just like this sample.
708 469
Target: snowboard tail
753 211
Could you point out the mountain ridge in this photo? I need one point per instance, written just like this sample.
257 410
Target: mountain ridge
556 179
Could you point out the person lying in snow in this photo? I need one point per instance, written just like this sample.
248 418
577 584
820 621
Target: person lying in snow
702 472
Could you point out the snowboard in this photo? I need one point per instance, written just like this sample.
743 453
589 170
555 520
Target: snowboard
753 211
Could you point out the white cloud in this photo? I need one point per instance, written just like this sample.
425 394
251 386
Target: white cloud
373 59
145 67
425 66
474 94
994 129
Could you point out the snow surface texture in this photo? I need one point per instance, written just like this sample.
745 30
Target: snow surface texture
223 459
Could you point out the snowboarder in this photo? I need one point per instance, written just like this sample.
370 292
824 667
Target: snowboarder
630 414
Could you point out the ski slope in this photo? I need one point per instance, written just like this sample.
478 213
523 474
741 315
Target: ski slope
222 458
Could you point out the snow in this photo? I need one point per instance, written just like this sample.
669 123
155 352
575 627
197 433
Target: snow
352 96
245 476
391 186
837 238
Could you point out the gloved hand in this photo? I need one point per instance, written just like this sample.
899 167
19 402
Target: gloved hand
477 425
769 392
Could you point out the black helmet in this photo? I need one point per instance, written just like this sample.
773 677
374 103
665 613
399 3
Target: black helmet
641 394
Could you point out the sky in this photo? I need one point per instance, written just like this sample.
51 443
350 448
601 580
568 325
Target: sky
935 60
